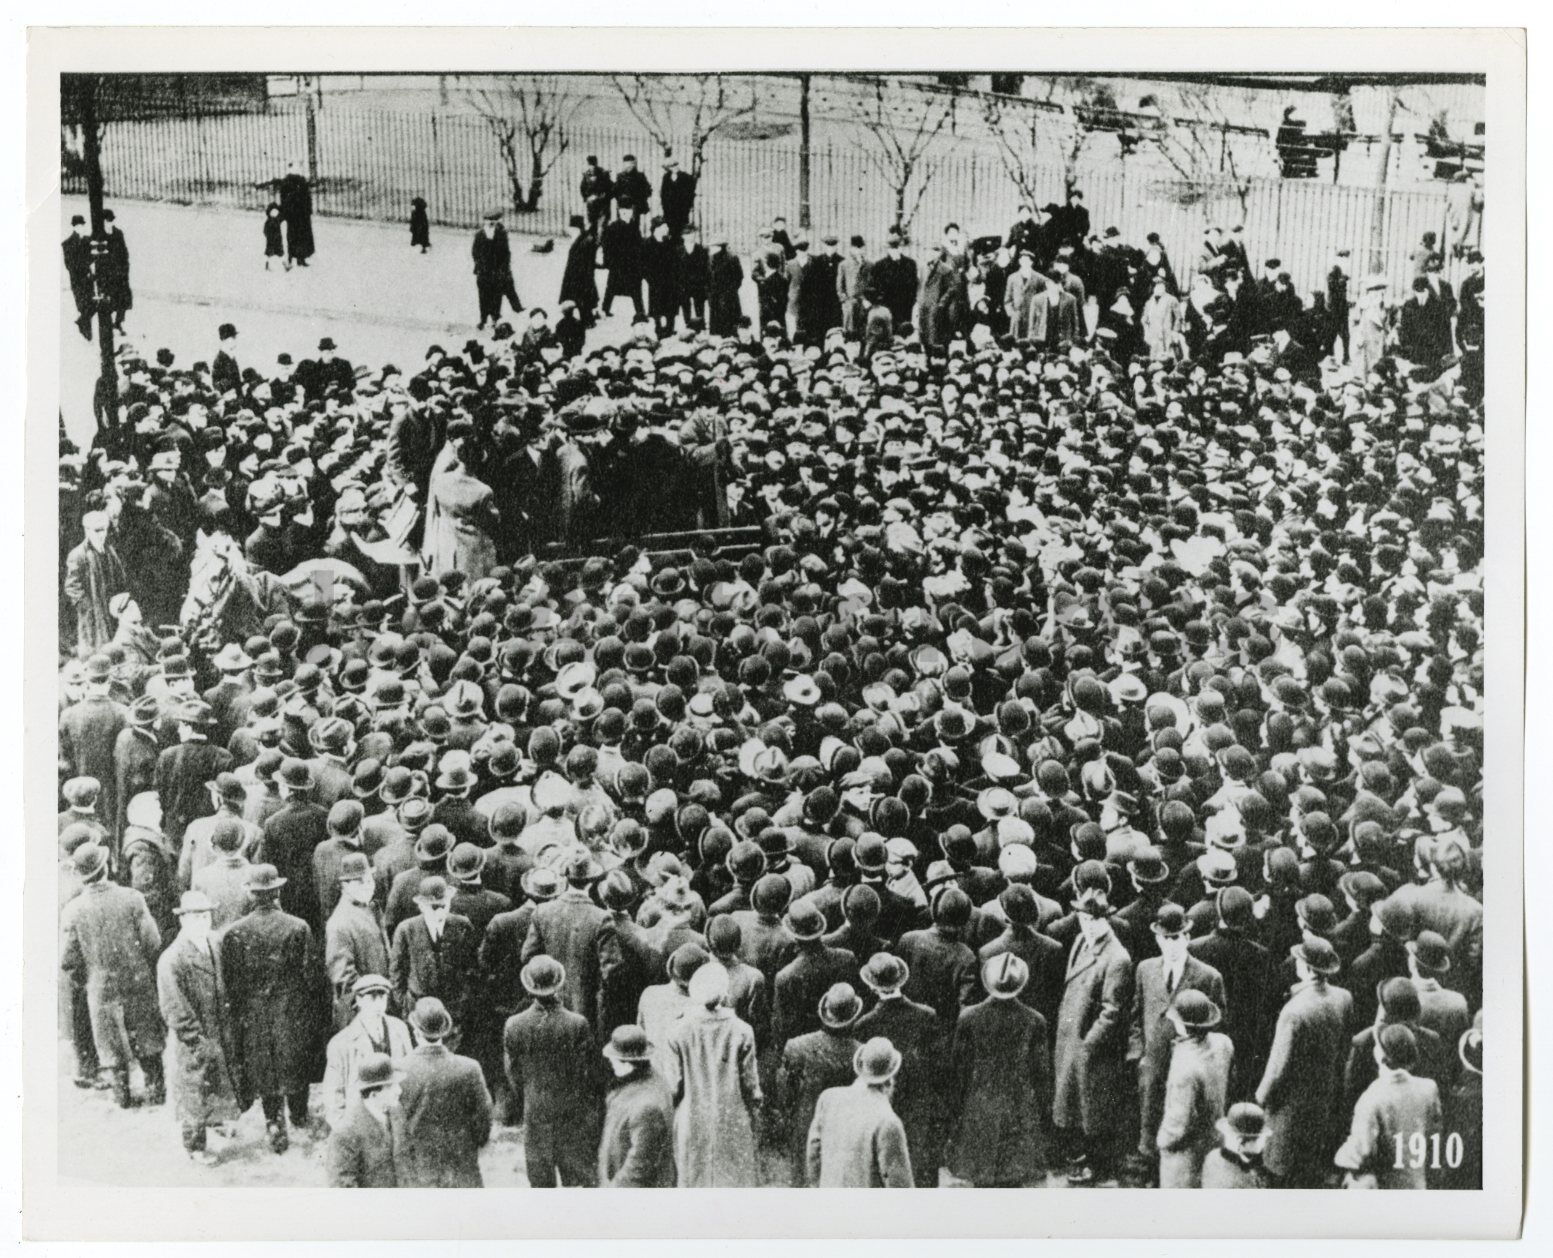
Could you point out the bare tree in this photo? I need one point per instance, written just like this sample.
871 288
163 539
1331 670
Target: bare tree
1196 144
902 143
530 118
1089 101
1016 127
655 101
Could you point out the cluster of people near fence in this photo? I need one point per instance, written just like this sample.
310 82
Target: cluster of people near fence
1080 773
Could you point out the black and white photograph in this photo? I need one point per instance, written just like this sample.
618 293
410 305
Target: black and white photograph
847 627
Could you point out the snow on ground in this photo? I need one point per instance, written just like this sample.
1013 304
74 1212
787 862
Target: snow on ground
383 302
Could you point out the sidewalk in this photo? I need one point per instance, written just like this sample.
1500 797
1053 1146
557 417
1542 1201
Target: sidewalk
382 301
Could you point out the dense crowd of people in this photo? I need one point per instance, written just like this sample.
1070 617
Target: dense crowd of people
1081 774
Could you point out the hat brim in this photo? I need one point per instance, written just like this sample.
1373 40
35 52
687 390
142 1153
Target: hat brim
274 885
614 1054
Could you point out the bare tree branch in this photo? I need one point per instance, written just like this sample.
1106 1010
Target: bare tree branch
540 108
903 149
705 97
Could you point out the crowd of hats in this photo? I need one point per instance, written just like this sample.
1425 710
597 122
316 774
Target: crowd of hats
1018 620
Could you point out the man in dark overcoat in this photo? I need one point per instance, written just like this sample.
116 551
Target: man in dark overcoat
813 1062
435 953
553 1070
445 1105
109 945
622 246
1302 1082
895 280
367 1149
577 282
676 196
274 985
77 250
1150 1033
917 1032
89 729
291 835
1091 1041
354 940
492 255
183 772
1242 964
636 1149
578 934
113 272
1000 1063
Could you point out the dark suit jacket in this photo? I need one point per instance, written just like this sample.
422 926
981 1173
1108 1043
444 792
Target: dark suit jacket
181 774
554 1067
581 936
224 373
447 1118
364 1153
943 972
1047 962
290 837
445 969
637 1147
918 1034
1244 966
801 983
810 1064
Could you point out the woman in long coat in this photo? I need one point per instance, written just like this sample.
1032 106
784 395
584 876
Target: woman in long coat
460 516
713 1076
296 207
1002 1070
724 310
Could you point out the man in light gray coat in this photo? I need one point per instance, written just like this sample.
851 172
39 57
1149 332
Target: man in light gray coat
856 1139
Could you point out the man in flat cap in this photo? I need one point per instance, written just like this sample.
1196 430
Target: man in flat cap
371 1031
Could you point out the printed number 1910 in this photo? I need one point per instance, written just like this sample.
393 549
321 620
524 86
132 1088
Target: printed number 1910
1419 1151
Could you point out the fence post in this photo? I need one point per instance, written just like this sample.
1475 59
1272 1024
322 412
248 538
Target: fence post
312 138
804 154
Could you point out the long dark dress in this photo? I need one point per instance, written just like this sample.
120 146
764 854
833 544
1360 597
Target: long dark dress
727 278
420 225
296 207
577 282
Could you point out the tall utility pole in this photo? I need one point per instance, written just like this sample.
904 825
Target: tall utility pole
805 154
1378 215
105 403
